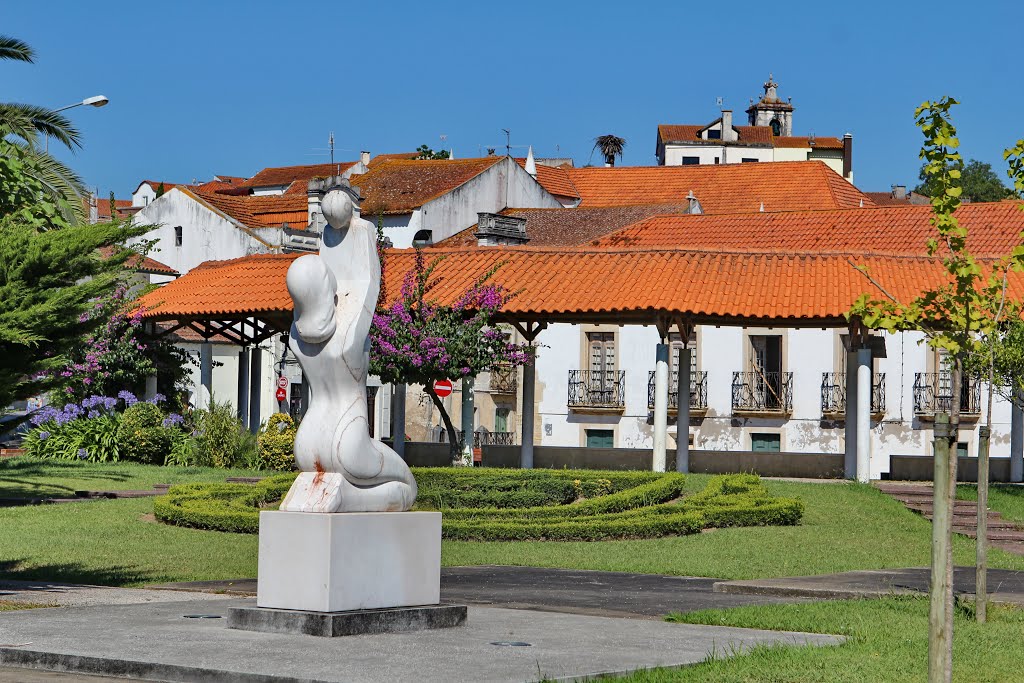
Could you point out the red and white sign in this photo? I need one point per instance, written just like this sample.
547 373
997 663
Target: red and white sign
443 387
282 382
282 394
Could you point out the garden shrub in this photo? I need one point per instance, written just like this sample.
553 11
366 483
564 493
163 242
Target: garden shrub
141 436
276 442
647 509
221 439
93 439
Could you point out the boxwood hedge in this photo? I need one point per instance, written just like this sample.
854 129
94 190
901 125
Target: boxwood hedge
623 504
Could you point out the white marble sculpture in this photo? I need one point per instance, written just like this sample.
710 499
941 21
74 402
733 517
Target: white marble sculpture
335 292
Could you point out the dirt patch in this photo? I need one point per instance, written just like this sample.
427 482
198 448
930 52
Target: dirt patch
148 517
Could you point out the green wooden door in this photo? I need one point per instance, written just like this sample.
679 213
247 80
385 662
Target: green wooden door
600 438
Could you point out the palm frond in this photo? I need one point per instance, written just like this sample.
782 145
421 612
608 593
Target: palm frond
17 50
61 183
27 121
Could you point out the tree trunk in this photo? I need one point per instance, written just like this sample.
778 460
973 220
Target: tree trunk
981 543
453 434
940 620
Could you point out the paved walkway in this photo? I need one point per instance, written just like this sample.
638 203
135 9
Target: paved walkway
156 641
557 590
919 498
1004 585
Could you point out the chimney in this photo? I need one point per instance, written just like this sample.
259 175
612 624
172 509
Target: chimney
899 192
848 157
364 157
728 133
495 229
531 164
692 205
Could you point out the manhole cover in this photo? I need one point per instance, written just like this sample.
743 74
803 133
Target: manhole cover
511 643
202 616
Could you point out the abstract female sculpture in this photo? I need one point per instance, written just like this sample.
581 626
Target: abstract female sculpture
335 293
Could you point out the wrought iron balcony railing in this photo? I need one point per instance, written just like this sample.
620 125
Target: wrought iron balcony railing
503 380
597 389
933 393
762 392
698 391
833 393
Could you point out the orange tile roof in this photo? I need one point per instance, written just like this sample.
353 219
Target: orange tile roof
155 184
584 284
261 211
401 186
726 188
995 229
143 264
748 135
569 227
554 179
799 142
390 157
286 175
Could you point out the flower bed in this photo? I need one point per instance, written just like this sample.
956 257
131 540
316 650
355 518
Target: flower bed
625 504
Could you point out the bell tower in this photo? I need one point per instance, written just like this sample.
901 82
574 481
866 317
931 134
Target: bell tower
772 111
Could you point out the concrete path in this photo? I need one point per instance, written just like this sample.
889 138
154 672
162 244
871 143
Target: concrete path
558 590
75 595
156 641
1004 585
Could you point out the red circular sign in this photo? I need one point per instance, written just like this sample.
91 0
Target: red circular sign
282 382
443 387
281 394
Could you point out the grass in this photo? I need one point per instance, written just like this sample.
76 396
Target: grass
23 477
887 641
845 527
11 605
1005 498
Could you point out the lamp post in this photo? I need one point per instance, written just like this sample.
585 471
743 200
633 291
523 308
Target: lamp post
94 101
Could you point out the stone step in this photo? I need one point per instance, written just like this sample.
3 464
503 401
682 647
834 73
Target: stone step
993 535
904 489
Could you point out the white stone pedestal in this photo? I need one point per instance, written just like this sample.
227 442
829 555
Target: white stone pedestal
349 561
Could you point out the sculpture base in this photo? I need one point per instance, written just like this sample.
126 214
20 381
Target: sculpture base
334 624
342 562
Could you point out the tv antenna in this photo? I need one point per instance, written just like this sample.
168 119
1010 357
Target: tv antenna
508 141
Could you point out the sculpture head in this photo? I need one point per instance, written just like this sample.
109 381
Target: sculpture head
338 207
314 291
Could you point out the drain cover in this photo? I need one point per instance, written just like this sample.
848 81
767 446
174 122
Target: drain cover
202 616
511 643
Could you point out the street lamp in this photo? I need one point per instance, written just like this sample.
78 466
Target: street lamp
94 101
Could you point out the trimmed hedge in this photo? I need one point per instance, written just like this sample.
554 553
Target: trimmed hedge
644 506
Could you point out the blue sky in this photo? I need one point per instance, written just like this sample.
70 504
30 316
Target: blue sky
204 88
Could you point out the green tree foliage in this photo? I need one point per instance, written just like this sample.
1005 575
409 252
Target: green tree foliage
22 126
141 436
977 180
276 443
424 152
610 146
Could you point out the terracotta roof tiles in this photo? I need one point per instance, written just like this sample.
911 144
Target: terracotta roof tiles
286 175
401 186
554 179
261 211
726 188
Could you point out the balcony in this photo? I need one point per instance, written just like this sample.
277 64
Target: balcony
933 394
597 391
698 392
484 438
764 394
503 380
833 395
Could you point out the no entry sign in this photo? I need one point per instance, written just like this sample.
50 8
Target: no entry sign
443 387
282 394
282 382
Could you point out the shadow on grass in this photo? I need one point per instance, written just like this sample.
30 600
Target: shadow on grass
1014 490
14 475
48 577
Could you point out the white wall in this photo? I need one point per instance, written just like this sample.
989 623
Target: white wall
207 235
731 154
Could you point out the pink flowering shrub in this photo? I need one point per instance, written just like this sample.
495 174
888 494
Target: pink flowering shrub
417 341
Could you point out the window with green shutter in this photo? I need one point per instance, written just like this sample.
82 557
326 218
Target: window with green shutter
766 443
600 438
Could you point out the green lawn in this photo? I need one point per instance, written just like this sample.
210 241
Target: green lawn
888 641
1005 498
116 542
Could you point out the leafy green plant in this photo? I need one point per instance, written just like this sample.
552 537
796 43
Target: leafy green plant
94 439
141 436
221 439
276 443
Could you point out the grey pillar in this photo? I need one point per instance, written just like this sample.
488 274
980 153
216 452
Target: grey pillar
255 390
864 382
850 459
150 387
1016 443
243 385
398 419
529 389
660 407
683 412
467 420
206 373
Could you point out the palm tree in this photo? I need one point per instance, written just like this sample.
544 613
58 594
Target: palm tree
23 125
611 146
